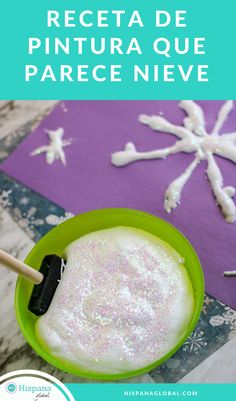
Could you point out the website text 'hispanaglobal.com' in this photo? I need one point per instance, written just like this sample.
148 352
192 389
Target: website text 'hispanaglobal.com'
158 393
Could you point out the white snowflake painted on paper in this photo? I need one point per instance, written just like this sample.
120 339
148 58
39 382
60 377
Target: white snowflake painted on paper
193 139
54 150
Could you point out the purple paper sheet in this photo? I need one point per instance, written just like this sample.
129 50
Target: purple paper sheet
90 181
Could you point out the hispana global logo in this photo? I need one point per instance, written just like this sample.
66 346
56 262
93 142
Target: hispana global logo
11 387
32 385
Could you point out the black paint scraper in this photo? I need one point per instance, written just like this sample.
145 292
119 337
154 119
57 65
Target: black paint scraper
45 280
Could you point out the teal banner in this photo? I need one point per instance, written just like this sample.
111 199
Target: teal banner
118 49
145 392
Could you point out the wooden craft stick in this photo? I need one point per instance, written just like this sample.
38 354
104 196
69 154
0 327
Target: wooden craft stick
21 268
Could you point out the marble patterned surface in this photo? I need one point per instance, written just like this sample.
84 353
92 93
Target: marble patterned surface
220 367
24 217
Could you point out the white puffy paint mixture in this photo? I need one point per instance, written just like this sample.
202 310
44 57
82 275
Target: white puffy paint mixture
124 301
55 149
193 139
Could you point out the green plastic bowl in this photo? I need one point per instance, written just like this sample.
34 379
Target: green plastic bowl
58 239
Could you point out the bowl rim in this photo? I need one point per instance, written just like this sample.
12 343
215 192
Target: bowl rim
69 368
